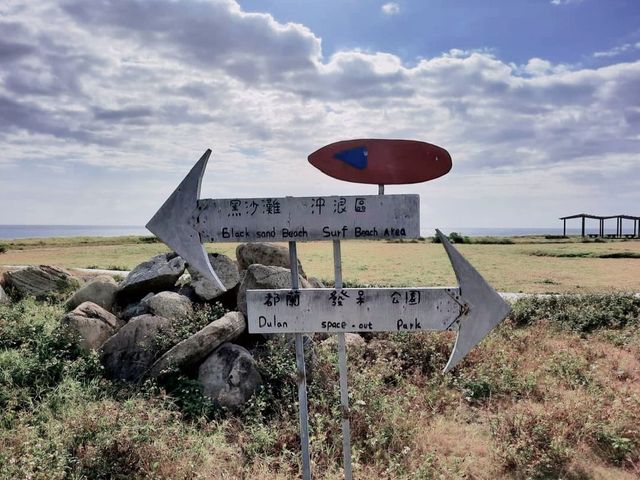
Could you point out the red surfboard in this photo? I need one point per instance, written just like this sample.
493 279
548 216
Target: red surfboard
382 162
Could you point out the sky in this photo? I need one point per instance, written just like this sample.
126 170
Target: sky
106 105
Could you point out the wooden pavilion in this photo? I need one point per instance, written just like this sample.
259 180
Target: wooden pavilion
601 224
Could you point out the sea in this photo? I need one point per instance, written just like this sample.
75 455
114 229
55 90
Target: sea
14 232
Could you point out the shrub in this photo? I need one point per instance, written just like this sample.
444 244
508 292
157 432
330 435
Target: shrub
613 446
455 237
149 239
492 241
37 353
531 444
3 248
202 316
582 313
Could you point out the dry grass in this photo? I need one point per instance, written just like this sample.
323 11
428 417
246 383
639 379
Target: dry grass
516 268
534 400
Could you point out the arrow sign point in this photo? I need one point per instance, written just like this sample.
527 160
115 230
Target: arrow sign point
356 157
172 225
486 308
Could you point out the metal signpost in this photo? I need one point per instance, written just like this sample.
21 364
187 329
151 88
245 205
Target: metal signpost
472 308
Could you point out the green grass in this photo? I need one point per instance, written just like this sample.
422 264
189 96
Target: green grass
552 393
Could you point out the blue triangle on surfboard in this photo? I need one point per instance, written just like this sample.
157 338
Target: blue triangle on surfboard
356 157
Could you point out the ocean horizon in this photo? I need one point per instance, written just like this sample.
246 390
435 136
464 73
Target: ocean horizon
16 232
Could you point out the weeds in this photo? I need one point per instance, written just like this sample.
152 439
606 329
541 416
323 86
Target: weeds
202 316
456 237
543 253
538 415
532 444
582 313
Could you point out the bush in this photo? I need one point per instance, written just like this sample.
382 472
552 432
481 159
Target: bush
455 237
202 316
532 444
582 313
149 239
37 353
3 248
492 241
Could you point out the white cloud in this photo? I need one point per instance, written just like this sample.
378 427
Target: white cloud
123 98
391 8
537 67
617 50
565 2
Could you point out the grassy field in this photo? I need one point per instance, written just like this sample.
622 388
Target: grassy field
532 265
553 393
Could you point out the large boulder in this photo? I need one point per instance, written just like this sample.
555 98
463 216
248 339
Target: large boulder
101 290
264 277
227 272
4 298
136 309
170 305
264 254
94 324
198 346
131 352
155 275
42 282
229 376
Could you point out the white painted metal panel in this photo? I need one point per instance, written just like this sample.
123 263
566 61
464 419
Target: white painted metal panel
353 310
307 218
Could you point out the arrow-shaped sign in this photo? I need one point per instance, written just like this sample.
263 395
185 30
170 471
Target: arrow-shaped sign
473 309
172 223
184 221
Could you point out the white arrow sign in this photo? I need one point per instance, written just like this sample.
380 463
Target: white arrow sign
473 309
184 221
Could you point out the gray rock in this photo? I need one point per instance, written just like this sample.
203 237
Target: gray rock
229 376
315 282
170 305
155 275
264 254
129 354
197 347
94 324
42 282
227 272
4 298
100 290
136 309
261 276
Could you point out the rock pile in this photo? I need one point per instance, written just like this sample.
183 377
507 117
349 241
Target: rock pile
138 326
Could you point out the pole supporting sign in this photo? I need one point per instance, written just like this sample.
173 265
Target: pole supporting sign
472 308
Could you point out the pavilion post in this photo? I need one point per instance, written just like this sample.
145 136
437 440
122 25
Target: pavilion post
564 227
583 219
